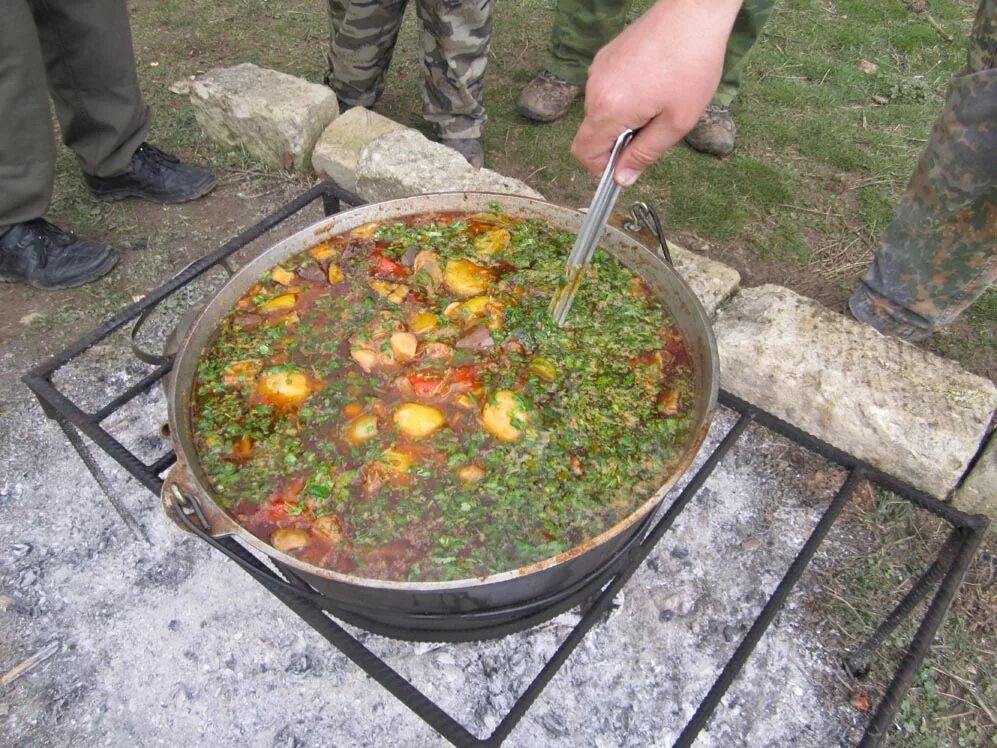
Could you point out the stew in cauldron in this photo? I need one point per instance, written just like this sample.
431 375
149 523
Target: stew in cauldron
396 403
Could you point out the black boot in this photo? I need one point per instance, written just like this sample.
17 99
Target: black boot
45 256
155 176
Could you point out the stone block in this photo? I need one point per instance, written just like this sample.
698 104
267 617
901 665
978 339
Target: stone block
899 408
274 116
711 281
404 163
978 494
338 148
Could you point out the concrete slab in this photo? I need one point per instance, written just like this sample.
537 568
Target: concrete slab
978 494
275 116
711 281
405 163
902 409
338 148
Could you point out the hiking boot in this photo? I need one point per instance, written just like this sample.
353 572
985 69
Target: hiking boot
547 98
714 133
155 176
470 148
882 316
45 256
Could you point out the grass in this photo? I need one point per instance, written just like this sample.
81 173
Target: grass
876 550
819 167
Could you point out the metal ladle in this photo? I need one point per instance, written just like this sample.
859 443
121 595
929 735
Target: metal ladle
588 235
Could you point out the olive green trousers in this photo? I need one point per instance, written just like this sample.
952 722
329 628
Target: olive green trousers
80 53
582 27
939 253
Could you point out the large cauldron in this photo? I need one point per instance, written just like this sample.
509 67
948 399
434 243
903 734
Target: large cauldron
454 609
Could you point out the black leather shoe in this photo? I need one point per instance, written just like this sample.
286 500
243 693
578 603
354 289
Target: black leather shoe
155 176
45 256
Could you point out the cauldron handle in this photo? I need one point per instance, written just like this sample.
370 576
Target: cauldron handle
642 213
187 509
163 359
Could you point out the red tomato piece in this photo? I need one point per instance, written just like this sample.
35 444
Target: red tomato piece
466 375
425 383
386 268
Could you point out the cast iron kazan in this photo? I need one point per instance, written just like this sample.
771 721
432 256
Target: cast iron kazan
527 594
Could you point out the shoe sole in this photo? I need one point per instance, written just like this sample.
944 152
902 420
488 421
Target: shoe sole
122 194
530 114
102 270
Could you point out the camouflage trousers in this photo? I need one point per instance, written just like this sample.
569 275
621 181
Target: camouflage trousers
582 27
939 254
455 39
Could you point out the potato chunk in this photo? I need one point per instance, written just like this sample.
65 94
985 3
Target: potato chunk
279 303
322 251
334 274
282 276
424 322
505 415
240 373
543 368
466 278
284 386
404 344
399 461
475 308
416 420
470 473
361 429
490 242
366 231
286 539
393 292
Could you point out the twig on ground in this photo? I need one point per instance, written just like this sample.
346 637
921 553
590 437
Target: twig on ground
938 27
825 213
976 703
526 48
38 657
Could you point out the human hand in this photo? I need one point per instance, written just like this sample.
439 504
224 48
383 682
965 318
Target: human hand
658 76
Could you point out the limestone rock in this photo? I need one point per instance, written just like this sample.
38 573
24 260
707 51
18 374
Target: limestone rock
711 281
899 408
399 164
978 494
338 148
274 116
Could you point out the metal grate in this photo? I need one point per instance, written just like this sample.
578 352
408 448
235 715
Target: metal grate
944 575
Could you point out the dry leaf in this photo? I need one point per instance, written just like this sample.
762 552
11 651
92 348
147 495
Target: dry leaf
180 88
822 484
864 498
860 700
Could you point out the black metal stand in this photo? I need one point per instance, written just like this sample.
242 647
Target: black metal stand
944 575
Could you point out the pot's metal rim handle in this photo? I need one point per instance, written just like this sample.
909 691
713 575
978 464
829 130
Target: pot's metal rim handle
642 213
187 508
177 501
158 359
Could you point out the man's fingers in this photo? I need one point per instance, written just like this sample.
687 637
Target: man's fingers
592 145
656 137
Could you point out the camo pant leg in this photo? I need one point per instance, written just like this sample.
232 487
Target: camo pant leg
751 18
456 36
362 35
582 28
939 254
